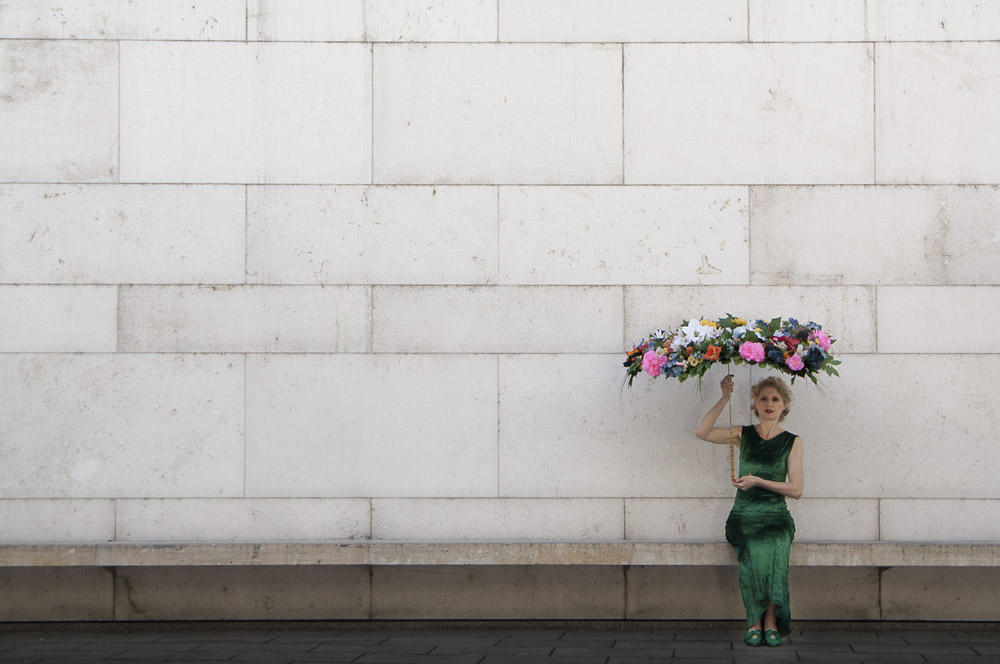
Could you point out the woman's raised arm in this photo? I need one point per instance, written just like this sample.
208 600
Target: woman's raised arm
707 430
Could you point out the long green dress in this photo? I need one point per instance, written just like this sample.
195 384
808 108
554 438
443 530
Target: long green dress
761 530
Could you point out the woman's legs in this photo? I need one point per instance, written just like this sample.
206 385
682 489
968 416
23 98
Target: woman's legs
768 618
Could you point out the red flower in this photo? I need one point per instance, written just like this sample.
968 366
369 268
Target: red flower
790 342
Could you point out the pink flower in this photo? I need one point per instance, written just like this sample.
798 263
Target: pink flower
794 362
651 363
751 351
822 340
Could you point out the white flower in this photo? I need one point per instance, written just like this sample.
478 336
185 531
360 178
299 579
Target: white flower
739 332
694 332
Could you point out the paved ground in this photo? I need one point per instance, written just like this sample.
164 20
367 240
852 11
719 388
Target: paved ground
489 646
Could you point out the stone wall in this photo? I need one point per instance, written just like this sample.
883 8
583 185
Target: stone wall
303 269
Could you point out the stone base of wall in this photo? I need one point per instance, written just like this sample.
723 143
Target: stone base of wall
483 593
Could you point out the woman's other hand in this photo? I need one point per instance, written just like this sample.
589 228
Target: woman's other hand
727 386
746 482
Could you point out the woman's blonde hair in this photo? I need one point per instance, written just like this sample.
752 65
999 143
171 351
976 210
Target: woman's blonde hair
776 383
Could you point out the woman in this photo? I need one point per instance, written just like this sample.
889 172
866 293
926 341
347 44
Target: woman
759 526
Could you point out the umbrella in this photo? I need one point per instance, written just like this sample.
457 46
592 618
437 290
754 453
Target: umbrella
784 344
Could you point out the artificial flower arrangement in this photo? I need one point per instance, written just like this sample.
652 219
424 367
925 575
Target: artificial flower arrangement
786 345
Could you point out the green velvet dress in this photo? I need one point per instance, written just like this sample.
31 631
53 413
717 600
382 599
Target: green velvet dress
761 530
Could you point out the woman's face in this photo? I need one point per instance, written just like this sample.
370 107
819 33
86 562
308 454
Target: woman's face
769 405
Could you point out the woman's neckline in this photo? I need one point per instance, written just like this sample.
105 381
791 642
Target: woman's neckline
771 438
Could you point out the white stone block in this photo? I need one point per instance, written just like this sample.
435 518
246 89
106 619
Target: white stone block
371 425
58 319
497 519
748 113
306 20
437 20
892 426
498 113
372 235
940 520
847 312
936 111
122 233
58 111
808 20
704 519
567 430
103 426
373 20
245 319
934 20
677 519
558 592
902 310
832 519
31 521
124 19
242 519
891 235
231 112
623 21
497 319
614 235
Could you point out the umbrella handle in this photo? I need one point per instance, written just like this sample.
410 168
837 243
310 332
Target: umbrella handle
732 464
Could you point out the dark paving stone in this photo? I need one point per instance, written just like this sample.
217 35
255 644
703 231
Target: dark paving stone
182 656
709 635
957 649
256 657
305 646
423 649
524 651
571 654
580 642
418 659
817 636
289 658
960 659
989 636
57 644
765 654
66 655
526 642
646 644
637 660
645 654
985 649
696 648
848 657
507 659
451 648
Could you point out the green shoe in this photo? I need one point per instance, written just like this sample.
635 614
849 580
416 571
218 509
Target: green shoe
771 638
752 638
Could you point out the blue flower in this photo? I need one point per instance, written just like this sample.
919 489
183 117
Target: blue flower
793 322
814 358
775 355
675 370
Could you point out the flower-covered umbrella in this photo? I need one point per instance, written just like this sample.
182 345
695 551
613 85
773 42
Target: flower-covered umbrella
785 345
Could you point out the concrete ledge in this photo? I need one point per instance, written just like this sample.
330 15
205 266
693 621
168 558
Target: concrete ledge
389 553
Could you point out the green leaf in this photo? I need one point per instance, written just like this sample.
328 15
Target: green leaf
773 326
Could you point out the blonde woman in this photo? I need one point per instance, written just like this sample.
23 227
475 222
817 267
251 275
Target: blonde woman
759 526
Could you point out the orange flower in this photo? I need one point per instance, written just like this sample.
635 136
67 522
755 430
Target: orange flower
712 353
